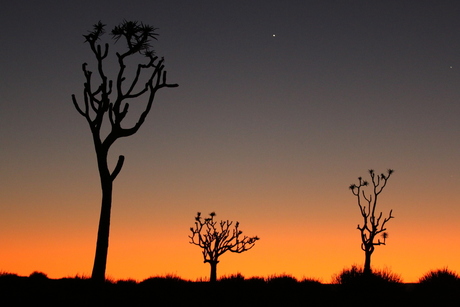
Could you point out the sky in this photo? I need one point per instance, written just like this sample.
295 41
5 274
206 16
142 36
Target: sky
281 105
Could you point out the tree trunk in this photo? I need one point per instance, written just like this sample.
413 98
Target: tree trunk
213 277
367 262
102 244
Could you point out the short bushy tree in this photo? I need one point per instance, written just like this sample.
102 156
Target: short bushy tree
215 239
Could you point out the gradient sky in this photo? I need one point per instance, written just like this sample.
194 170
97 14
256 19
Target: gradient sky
281 105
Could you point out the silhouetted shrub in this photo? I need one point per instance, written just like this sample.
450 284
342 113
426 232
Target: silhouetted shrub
439 288
388 276
282 280
238 277
356 276
353 282
7 274
167 279
9 280
38 276
440 277
310 281
80 277
110 280
348 276
256 281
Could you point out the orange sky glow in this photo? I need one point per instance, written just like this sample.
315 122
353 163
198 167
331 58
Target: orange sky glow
268 130
301 246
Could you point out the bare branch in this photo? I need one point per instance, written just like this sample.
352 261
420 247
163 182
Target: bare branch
75 103
118 167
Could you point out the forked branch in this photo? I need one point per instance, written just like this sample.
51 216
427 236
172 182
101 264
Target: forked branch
217 238
367 202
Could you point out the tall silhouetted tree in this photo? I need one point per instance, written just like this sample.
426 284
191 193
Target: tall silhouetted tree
372 225
106 104
216 239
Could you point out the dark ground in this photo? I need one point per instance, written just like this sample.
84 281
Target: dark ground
40 290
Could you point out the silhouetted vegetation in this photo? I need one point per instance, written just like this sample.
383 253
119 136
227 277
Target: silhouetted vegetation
282 280
440 287
441 276
356 275
371 226
38 275
350 286
106 104
170 279
441 279
238 277
380 287
216 240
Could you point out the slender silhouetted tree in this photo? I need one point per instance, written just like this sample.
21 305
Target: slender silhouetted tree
217 238
106 104
372 225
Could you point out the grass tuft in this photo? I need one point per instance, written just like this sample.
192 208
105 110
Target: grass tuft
307 280
238 277
168 278
282 279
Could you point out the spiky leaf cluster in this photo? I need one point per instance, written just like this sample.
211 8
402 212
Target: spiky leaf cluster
137 36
